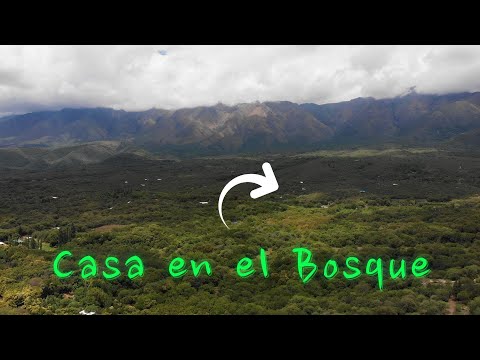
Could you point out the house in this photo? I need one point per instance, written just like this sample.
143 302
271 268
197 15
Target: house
23 239
83 312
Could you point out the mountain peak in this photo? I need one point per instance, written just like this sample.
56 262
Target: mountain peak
257 126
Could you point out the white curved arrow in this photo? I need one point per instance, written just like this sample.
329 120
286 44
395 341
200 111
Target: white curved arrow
268 184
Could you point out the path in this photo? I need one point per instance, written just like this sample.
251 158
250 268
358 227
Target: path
452 306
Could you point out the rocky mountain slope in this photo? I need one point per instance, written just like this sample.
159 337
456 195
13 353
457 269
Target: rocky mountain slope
270 126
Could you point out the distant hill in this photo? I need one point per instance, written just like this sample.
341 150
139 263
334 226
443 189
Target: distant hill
88 153
270 126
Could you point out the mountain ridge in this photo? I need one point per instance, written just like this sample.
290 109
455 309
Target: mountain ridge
255 127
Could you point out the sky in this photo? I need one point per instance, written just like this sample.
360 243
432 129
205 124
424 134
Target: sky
34 78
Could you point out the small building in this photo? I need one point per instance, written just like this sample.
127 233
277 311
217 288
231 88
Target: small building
22 239
83 312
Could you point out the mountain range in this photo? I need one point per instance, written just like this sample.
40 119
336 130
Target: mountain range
414 119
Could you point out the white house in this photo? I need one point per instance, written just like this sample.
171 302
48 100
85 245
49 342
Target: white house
83 312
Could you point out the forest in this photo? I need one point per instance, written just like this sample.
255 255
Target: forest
402 204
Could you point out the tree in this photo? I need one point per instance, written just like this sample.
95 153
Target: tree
475 306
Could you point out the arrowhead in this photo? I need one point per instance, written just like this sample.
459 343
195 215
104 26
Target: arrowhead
269 183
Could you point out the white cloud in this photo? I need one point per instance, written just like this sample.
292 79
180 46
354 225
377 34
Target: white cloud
140 77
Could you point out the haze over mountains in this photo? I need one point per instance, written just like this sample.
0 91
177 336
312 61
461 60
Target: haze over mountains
413 119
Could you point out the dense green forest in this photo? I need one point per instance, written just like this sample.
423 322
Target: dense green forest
397 204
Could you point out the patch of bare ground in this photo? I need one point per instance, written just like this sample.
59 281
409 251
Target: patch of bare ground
452 306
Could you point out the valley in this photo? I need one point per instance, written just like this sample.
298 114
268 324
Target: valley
239 180
336 203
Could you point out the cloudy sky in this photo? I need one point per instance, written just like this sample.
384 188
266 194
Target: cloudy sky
165 76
